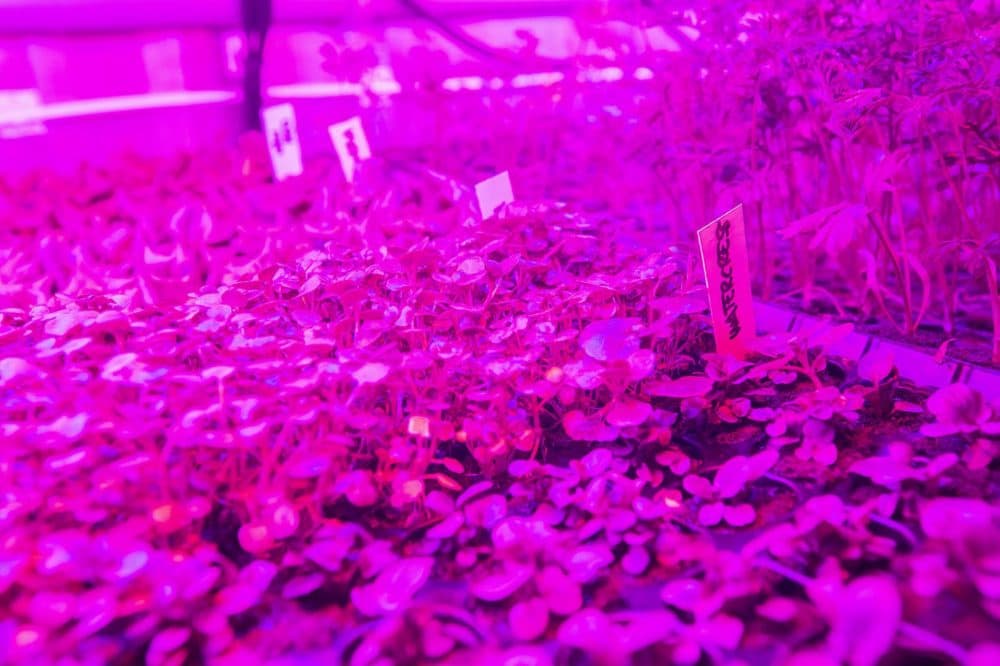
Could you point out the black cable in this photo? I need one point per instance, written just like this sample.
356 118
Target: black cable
256 16
463 39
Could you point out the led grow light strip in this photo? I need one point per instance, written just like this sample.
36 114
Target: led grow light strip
101 105
28 98
315 90
601 75
332 89
319 90
536 79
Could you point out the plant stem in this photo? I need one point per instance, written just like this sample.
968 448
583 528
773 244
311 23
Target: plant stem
894 258
991 283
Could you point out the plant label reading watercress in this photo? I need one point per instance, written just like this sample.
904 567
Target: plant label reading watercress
723 244
351 145
493 193
283 140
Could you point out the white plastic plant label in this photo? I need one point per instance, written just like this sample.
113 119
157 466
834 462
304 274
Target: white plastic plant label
351 144
283 140
723 244
164 66
493 193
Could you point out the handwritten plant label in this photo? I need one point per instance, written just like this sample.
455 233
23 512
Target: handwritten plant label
351 145
283 140
723 244
493 193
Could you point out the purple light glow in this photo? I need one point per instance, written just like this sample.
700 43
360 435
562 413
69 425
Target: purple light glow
425 371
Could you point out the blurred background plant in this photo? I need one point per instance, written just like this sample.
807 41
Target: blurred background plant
861 136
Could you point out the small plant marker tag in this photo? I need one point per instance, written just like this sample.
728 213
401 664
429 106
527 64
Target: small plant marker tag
493 193
351 144
723 244
283 140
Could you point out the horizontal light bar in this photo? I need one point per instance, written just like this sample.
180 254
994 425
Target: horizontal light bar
315 90
100 105
536 79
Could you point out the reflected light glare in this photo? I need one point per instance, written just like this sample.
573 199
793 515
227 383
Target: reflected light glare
26 637
602 75
315 90
536 79
455 83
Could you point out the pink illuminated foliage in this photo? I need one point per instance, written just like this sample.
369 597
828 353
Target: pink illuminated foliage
244 421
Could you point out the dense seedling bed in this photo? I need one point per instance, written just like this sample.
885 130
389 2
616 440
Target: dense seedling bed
244 420
249 422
